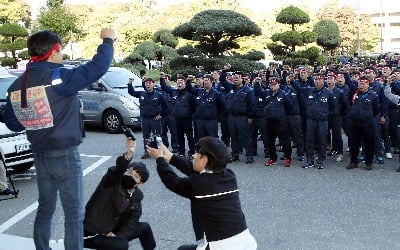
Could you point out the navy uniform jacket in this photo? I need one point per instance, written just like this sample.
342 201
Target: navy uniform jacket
151 103
278 103
319 102
52 119
297 100
184 101
342 104
209 104
240 101
365 106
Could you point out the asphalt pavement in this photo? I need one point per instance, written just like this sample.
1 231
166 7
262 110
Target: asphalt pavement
285 208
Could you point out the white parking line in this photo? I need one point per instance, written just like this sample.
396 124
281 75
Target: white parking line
18 217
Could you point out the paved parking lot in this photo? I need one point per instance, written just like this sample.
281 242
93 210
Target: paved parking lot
285 208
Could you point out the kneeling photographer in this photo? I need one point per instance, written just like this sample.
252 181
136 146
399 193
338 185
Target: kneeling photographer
113 211
217 215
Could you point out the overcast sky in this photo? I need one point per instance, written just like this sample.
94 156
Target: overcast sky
364 6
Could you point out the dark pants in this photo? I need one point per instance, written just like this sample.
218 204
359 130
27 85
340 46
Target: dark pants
378 143
150 126
394 121
335 127
362 131
316 140
101 242
239 129
346 124
190 247
294 126
225 136
184 127
385 135
195 133
278 129
169 124
259 125
207 128
142 231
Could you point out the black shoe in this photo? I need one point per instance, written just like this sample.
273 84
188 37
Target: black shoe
234 158
398 170
9 192
174 151
249 159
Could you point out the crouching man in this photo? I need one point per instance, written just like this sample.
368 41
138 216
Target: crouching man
113 211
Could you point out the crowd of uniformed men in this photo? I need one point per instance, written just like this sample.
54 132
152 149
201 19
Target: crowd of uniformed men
301 106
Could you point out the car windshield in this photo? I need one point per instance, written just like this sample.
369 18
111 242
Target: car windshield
118 78
4 84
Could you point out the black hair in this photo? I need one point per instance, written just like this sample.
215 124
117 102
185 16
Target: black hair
141 170
41 42
216 151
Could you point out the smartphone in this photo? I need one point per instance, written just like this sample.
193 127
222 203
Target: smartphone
128 132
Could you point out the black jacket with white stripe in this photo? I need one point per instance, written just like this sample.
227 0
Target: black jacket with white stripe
216 208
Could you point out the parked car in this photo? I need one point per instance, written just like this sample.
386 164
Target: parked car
107 102
15 149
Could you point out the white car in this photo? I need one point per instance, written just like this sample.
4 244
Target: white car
15 149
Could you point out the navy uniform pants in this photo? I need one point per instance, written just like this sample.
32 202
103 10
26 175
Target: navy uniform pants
316 140
225 136
168 123
239 129
362 131
278 129
150 126
207 128
335 129
184 126
294 127
259 125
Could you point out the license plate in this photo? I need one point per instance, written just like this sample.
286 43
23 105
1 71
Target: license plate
22 147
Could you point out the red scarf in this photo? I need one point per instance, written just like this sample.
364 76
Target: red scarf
24 103
355 96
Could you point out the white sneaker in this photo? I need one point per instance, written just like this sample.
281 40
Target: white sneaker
389 155
339 158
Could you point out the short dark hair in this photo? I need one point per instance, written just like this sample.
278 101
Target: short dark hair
41 42
141 170
216 151
148 79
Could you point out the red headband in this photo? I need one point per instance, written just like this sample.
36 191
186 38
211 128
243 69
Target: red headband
364 81
56 46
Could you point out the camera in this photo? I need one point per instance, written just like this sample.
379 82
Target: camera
154 142
128 132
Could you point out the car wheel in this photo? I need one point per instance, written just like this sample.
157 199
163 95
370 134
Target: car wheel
22 167
112 122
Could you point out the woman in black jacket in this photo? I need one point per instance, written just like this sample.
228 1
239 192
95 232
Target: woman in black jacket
213 191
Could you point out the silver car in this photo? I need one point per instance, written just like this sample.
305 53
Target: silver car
107 102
